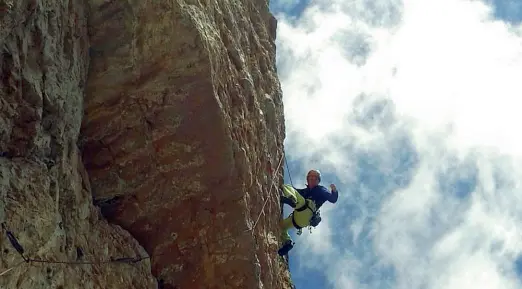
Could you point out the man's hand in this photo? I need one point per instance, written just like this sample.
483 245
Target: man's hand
333 188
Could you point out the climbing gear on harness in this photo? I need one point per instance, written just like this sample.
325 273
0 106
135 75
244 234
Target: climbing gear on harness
314 220
316 215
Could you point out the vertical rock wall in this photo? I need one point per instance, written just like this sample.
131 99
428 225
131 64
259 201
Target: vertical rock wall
167 115
45 197
182 133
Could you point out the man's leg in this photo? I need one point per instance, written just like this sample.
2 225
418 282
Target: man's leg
288 197
286 225
292 197
302 218
288 244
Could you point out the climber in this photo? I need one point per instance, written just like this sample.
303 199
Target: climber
306 203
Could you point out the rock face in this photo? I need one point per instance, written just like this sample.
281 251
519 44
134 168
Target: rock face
182 133
45 197
152 129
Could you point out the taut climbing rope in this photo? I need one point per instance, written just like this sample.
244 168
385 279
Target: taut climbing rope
288 170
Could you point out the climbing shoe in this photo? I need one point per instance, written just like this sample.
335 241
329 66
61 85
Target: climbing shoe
288 201
285 248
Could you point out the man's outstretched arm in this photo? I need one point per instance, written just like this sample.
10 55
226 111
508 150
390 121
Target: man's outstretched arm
334 195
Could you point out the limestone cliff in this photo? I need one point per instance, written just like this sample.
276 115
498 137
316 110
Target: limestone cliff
139 140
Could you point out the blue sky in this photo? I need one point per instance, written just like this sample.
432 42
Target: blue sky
411 109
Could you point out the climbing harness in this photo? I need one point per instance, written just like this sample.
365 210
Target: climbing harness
314 220
316 214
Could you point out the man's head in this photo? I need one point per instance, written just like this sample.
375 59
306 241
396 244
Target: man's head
313 178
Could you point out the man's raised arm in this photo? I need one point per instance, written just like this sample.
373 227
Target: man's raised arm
334 195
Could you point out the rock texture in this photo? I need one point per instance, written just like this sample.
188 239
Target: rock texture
164 118
45 197
183 130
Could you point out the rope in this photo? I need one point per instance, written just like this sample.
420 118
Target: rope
271 185
20 250
128 260
118 260
289 174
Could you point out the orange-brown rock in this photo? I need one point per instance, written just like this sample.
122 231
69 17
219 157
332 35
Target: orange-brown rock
183 130
176 142
45 195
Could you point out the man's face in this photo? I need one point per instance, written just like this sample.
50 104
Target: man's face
312 179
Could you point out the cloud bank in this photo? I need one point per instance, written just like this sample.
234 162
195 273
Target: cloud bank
412 108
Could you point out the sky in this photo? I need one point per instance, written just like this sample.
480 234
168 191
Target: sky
412 109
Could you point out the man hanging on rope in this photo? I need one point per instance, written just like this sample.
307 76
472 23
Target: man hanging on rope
306 203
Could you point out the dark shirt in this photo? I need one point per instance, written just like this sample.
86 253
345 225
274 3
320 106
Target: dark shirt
319 194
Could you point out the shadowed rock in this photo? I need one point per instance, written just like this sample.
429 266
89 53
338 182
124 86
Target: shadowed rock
45 197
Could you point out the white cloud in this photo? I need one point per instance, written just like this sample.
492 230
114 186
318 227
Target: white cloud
446 77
